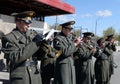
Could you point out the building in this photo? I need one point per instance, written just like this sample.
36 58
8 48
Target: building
42 8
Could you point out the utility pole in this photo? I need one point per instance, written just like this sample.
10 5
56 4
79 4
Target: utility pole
81 30
56 22
96 24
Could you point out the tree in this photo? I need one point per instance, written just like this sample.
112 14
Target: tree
76 32
56 27
118 37
109 31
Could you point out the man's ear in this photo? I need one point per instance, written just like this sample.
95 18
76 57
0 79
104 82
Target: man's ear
18 23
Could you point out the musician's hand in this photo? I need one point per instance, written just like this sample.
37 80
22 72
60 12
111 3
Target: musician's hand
94 50
78 41
38 38
112 41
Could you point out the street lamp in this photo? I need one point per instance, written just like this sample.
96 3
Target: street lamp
96 24
56 23
81 30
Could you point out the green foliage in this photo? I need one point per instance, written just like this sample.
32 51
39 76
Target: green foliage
109 31
56 27
118 37
76 32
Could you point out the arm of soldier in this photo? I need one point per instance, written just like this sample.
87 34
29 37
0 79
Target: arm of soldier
73 47
79 54
107 51
67 49
16 54
92 51
97 53
113 47
100 53
82 53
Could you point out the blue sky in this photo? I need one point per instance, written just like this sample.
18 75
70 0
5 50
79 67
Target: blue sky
87 12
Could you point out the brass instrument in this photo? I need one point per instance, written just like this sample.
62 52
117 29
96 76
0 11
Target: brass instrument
57 52
46 48
90 47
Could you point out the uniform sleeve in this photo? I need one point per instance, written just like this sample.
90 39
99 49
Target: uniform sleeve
101 53
107 51
15 53
67 48
113 47
83 53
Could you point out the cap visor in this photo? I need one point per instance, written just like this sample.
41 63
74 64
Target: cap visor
28 21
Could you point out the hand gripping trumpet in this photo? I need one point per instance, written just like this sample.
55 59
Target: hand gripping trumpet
46 49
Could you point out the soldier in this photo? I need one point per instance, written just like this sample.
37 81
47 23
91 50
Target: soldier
19 48
83 60
102 64
112 48
65 70
47 64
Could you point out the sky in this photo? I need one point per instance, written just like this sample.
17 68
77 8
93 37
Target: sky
105 13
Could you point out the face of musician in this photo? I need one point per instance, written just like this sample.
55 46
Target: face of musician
67 31
23 20
22 26
87 40
67 27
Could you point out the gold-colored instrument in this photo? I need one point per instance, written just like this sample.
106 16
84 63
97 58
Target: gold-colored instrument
46 48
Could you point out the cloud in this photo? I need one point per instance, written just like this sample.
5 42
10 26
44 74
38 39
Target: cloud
65 18
60 18
104 13
86 15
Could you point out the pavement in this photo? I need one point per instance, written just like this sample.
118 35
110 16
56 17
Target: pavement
116 76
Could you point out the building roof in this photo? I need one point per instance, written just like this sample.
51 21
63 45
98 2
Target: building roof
41 7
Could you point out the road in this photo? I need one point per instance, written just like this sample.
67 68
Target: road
116 77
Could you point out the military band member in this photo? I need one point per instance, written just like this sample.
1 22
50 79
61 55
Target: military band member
19 48
112 48
102 63
83 60
47 64
65 70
